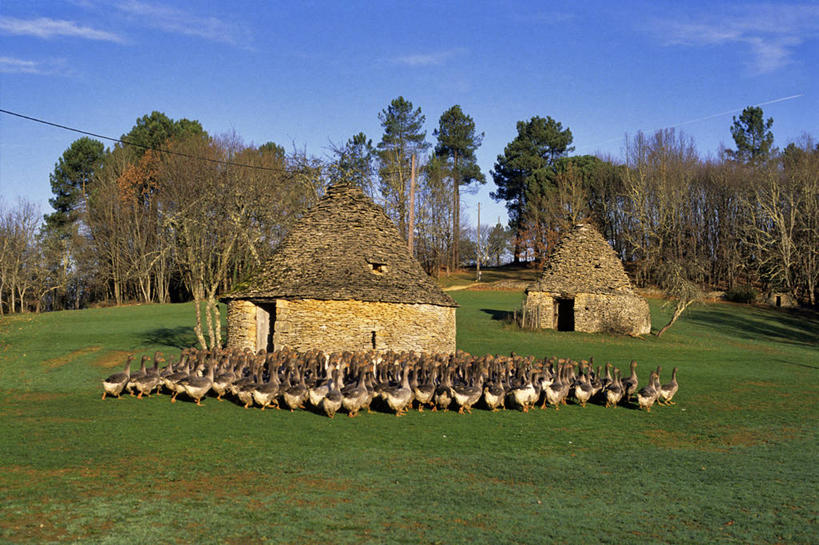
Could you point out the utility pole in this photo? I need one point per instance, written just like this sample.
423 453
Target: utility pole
411 234
479 242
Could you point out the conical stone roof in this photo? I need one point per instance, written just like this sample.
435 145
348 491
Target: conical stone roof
583 262
344 248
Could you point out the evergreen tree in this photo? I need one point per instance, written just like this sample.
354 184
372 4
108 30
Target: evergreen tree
354 162
525 167
72 175
753 137
403 137
457 143
497 242
273 148
154 130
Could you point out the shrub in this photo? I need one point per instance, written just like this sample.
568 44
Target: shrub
745 294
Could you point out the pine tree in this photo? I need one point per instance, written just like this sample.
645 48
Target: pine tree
354 162
403 137
457 143
525 166
753 137
154 130
72 175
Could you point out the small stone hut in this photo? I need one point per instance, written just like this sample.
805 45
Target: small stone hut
782 299
342 279
585 288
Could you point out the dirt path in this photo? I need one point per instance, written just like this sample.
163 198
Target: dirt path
457 288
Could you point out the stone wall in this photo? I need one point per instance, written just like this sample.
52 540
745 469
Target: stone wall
539 311
349 325
625 314
616 313
345 325
241 328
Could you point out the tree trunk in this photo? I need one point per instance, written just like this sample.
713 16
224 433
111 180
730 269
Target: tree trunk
678 310
456 213
198 293
411 230
217 320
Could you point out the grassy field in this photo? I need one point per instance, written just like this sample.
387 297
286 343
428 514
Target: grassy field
515 273
733 462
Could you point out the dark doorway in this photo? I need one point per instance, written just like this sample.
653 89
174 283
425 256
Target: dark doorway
565 314
265 323
373 340
779 300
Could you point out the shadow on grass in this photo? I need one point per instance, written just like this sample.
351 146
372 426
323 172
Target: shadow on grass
499 315
788 326
177 337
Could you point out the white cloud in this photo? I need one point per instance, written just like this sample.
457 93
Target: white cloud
428 59
11 65
176 21
770 33
43 27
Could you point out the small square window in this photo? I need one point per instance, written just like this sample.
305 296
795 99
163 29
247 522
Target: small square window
378 268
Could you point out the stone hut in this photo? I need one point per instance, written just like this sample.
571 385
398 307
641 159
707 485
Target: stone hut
585 288
343 279
782 299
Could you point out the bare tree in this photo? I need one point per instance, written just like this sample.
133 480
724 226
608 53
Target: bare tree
679 289
222 214
19 254
106 225
772 209
801 174
434 217
656 186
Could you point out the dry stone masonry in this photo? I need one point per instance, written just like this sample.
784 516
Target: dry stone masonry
585 288
343 279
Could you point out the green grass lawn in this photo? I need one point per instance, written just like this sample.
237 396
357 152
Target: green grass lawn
733 462
489 274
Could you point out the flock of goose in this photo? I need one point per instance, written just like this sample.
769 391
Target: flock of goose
390 381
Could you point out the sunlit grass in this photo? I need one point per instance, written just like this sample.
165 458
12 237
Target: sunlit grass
733 461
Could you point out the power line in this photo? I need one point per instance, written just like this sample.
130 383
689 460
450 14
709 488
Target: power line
388 170
143 146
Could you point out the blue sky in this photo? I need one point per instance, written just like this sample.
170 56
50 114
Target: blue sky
305 74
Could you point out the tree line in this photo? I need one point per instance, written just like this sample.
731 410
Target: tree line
172 213
746 220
